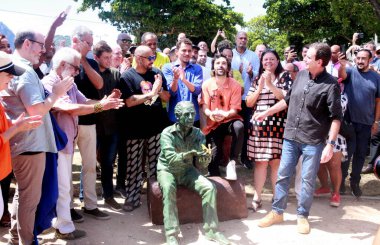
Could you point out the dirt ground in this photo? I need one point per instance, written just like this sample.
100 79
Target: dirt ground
354 222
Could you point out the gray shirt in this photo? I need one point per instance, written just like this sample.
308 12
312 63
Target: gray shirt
27 90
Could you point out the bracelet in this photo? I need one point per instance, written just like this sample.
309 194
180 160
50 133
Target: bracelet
98 108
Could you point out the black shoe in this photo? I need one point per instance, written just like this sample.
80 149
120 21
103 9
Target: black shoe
121 191
75 216
70 236
96 213
111 202
368 169
342 189
355 189
247 164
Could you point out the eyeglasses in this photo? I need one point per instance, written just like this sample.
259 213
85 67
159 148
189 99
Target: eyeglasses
150 58
42 45
126 40
76 68
307 87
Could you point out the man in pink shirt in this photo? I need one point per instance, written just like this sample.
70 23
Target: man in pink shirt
221 102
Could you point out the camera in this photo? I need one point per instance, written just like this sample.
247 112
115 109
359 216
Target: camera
360 35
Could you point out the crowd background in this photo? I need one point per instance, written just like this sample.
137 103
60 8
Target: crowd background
260 69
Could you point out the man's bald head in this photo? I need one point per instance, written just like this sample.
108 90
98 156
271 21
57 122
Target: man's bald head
142 50
335 50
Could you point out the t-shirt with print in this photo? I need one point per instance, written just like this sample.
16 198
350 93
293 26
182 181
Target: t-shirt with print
144 120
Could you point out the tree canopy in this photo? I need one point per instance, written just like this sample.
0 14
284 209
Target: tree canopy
199 19
323 20
260 32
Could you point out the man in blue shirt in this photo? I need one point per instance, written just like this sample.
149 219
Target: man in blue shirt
362 87
248 63
184 79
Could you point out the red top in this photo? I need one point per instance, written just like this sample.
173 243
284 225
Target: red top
5 151
225 98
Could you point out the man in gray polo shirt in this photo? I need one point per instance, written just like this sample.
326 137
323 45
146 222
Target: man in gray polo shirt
26 94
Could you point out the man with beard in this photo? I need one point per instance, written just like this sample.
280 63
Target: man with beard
26 95
221 102
184 79
362 86
143 89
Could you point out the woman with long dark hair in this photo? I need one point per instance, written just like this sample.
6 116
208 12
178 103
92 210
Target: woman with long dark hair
265 138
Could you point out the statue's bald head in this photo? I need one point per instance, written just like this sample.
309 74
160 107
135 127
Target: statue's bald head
181 106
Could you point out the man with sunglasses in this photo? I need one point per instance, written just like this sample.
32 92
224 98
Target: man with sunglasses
144 90
362 87
314 113
124 41
221 102
150 39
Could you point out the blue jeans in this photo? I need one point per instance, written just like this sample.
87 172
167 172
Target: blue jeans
357 147
291 152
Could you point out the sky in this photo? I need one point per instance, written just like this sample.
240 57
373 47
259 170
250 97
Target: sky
39 14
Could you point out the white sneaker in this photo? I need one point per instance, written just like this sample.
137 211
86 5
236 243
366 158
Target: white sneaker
231 170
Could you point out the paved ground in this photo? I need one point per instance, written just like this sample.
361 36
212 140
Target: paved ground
355 222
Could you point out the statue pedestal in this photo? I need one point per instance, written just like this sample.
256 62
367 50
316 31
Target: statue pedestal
231 202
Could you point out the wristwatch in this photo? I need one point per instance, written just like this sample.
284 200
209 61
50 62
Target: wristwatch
331 142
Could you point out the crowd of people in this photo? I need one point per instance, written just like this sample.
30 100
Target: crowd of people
305 117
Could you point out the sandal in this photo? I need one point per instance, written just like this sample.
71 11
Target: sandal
256 204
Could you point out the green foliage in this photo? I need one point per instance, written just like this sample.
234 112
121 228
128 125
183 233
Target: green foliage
260 32
199 19
334 21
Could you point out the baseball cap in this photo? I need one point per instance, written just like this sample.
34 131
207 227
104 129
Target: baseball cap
6 65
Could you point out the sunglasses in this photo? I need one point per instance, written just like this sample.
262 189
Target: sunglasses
150 58
307 87
42 45
126 40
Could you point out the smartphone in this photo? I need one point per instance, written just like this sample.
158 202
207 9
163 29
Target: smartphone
360 35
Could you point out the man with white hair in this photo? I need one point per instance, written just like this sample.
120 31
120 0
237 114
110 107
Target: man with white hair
25 94
66 64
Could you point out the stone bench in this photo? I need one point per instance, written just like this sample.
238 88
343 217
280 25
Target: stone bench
231 202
